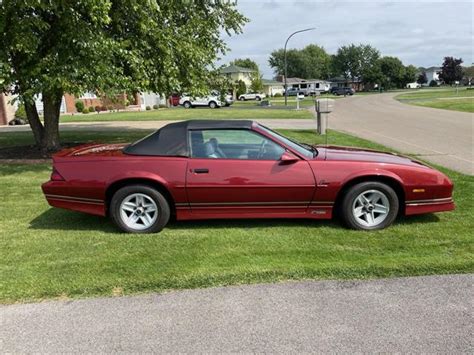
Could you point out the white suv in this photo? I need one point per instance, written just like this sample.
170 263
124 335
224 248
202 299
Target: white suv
252 96
212 100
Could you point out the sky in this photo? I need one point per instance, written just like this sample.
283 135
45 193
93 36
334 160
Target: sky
418 32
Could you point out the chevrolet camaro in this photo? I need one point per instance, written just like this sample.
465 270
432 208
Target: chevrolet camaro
240 169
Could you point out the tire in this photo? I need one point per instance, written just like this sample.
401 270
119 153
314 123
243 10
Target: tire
187 104
379 213
258 98
241 98
212 104
151 198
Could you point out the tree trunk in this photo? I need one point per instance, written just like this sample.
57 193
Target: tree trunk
52 105
34 121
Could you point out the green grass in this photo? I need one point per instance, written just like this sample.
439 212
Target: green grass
179 113
462 100
53 253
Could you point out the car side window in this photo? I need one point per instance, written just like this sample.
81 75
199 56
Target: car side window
233 144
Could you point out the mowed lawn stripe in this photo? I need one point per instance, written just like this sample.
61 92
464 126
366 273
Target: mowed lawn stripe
52 253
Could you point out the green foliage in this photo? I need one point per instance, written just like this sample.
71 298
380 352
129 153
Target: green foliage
409 75
91 109
311 62
79 105
422 78
433 83
396 75
277 95
241 88
156 107
53 47
20 112
451 70
468 74
256 85
110 108
148 108
86 110
359 61
245 63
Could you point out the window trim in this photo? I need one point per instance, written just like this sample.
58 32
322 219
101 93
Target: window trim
285 149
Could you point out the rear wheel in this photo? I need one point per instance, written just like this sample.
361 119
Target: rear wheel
370 206
139 209
212 104
241 98
258 98
187 104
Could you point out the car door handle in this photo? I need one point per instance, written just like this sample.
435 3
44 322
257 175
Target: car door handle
201 171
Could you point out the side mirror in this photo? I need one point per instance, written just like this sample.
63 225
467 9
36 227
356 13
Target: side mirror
288 158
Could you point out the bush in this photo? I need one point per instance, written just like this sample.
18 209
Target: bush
91 109
103 108
97 108
156 107
162 106
20 112
79 106
433 83
148 108
278 94
110 108
86 110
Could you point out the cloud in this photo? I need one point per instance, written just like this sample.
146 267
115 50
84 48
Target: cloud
421 33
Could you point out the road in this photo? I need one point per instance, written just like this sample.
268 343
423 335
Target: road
421 314
439 136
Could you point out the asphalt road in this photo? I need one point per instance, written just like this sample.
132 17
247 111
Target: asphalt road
423 314
440 136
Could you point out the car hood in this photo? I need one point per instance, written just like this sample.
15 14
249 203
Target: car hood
341 153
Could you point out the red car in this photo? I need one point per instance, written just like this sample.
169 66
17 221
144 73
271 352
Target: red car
240 169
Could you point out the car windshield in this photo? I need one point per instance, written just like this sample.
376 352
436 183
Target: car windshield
304 149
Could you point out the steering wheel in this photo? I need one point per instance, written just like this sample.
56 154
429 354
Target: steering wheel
262 149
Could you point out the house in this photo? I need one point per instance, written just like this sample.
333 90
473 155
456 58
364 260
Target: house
272 87
235 73
341 81
432 73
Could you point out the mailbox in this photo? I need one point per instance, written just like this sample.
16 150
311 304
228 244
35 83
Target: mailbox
324 105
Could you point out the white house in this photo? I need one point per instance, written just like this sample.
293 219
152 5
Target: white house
432 74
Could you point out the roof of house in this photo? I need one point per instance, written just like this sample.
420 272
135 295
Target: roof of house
432 68
271 82
236 69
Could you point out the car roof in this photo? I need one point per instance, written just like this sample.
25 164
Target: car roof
171 140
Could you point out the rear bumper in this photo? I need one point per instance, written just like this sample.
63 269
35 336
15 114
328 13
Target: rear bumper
58 195
429 206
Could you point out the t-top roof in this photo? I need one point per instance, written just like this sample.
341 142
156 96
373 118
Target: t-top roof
171 140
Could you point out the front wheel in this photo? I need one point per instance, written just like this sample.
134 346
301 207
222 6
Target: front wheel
370 206
187 104
212 104
241 98
139 209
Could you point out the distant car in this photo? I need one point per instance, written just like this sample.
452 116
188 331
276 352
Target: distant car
212 101
229 100
342 91
413 86
294 92
252 96
207 169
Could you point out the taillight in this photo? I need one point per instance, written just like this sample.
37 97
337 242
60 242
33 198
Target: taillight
56 176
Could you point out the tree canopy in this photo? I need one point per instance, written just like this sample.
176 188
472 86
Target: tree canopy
107 46
245 63
311 62
451 70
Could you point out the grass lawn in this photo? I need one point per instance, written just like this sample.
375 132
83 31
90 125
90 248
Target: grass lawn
447 99
179 113
52 253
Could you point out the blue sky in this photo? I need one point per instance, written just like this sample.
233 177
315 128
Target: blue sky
418 32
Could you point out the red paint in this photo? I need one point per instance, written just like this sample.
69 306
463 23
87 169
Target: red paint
231 188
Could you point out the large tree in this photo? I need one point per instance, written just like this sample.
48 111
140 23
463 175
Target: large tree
108 47
451 70
311 62
357 61
422 78
245 63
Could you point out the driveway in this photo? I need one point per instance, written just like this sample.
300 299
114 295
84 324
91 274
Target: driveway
439 136
420 314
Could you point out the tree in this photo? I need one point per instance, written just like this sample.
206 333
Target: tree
393 71
451 70
245 63
422 78
409 75
241 88
256 85
359 61
468 74
107 47
311 62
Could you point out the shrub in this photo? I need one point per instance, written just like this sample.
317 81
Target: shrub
20 112
91 109
162 106
278 94
86 110
433 83
148 108
103 108
98 108
156 107
110 108
79 106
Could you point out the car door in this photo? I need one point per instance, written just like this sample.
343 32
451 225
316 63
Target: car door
239 173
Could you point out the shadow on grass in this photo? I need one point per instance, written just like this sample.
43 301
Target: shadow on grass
57 219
